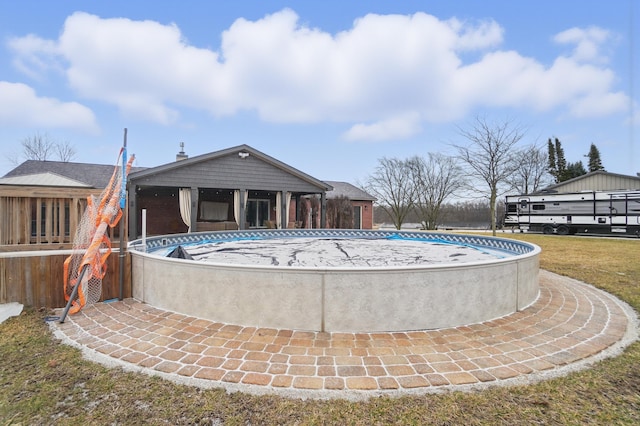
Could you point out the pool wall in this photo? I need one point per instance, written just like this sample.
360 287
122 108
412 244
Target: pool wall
338 299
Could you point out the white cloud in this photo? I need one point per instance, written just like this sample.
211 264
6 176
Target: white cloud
506 79
393 128
380 71
598 104
20 106
485 35
36 55
588 43
143 67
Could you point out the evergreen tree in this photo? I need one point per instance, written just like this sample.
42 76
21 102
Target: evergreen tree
574 170
595 163
561 162
553 167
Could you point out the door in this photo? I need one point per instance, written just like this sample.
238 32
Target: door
257 213
524 210
618 209
357 217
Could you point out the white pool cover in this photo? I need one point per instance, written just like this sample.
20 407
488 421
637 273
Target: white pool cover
337 252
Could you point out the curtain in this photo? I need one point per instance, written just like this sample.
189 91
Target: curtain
288 205
185 206
236 206
278 210
246 200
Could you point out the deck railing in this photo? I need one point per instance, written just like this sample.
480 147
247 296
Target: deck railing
41 215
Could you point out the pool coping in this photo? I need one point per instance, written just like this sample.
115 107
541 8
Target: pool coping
571 326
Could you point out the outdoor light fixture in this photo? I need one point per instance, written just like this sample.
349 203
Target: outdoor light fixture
243 154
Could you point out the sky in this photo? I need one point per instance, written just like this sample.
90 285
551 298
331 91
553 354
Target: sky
328 87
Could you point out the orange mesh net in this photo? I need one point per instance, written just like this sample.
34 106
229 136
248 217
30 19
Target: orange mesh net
91 244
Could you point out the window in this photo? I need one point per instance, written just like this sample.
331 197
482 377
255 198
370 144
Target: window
214 211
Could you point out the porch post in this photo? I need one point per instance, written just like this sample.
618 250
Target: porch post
323 210
133 212
194 209
283 210
243 220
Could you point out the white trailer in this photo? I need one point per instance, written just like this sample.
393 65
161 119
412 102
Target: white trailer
589 212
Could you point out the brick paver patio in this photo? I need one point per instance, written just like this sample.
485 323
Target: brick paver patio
571 323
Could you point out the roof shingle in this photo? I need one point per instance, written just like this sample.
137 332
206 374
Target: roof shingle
93 175
348 190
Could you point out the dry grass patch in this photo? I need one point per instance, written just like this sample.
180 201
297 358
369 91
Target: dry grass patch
609 264
45 382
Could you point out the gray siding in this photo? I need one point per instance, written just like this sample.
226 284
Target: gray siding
229 172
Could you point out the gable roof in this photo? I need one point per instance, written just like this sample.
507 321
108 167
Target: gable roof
597 180
42 179
225 152
345 189
86 174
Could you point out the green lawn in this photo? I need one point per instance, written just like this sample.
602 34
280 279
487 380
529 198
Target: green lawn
45 382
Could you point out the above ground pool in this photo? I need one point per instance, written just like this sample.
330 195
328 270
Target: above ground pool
336 280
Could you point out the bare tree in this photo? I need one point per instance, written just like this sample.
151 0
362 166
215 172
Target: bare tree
490 155
65 151
340 213
436 178
37 147
391 183
531 171
42 147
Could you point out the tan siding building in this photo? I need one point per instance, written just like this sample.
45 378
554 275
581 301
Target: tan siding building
596 181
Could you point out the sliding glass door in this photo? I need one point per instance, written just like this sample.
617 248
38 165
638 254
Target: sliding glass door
257 213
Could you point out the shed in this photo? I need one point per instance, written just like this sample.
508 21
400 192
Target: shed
596 181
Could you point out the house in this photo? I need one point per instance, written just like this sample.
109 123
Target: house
596 181
234 188
361 203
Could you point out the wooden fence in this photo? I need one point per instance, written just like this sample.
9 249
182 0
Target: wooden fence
41 215
34 278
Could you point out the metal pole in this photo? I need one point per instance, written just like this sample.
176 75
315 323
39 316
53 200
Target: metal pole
74 293
123 203
121 257
144 230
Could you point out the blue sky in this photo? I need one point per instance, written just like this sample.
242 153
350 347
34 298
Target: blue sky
327 87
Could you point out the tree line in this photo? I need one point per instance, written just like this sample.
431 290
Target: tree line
453 215
562 171
490 164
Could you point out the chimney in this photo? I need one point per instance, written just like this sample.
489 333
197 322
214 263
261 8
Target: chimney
181 155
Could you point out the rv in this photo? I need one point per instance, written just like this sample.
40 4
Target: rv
589 212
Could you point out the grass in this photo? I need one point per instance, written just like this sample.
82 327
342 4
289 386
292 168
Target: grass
45 382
